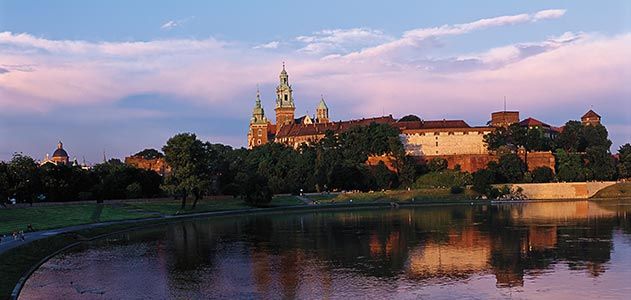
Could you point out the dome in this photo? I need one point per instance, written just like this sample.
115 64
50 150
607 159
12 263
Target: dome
60 152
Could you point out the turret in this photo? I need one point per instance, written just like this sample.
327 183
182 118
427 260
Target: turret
590 118
322 112
258 131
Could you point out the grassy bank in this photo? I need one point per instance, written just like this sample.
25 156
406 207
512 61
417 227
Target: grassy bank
48 217
618 190
57 216
16 262
417 195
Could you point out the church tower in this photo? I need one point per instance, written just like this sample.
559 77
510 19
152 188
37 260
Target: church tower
322 112
257 135
285 107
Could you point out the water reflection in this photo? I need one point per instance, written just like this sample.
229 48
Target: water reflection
484 251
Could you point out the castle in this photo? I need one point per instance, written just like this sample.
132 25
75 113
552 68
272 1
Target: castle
454 140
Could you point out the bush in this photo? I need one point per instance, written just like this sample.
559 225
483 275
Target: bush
133 191
482 180
510 168
437 164
255 189
542 175
457 189
444 179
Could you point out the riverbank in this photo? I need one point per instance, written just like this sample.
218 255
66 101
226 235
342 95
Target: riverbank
18 261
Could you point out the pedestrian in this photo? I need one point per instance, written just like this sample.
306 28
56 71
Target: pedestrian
29 228
22 236
15 235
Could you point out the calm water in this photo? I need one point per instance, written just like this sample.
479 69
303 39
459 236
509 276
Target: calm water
557 250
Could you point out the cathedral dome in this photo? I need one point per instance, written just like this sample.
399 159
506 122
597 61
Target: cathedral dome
60 152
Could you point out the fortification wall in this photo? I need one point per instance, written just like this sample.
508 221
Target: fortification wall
157 165
561 190
444 143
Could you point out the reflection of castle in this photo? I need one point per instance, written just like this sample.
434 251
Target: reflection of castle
455 140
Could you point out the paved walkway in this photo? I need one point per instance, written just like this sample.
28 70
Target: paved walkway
9 243
306 200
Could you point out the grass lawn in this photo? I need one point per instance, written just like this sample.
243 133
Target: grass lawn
55 216
618 190
171 207
433 194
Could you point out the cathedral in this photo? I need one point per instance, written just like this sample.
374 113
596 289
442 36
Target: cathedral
60 156
262 130
456 141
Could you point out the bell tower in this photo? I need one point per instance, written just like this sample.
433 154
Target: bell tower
257 134
285 107
322 112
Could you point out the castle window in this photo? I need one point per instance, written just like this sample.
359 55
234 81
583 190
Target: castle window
260 132
437 138
451 133
285 97
436 144
258 142
465 133
436 133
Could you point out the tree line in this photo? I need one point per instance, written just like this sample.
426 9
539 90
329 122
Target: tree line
581 154
335 162
24 180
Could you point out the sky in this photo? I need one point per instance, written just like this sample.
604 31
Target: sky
116 77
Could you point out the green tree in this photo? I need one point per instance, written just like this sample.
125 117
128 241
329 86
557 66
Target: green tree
410 118
23 173
600 163
149 154
189 160
482 180
509 169
254 188
571 136
542 175
624 165
570 166
384 178
4 182
437 164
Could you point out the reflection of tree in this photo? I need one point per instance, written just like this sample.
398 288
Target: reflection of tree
445 243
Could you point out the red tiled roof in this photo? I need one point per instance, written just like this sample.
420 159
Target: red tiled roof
432 124
533 122
590 114
321 128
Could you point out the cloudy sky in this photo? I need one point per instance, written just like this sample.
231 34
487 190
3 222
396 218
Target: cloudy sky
120 76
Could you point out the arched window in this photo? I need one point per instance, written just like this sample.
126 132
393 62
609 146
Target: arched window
258 142
285 97
260 132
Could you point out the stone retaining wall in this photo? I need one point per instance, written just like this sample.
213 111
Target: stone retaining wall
562 190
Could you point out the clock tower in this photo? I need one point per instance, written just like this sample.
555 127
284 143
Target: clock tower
285 107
